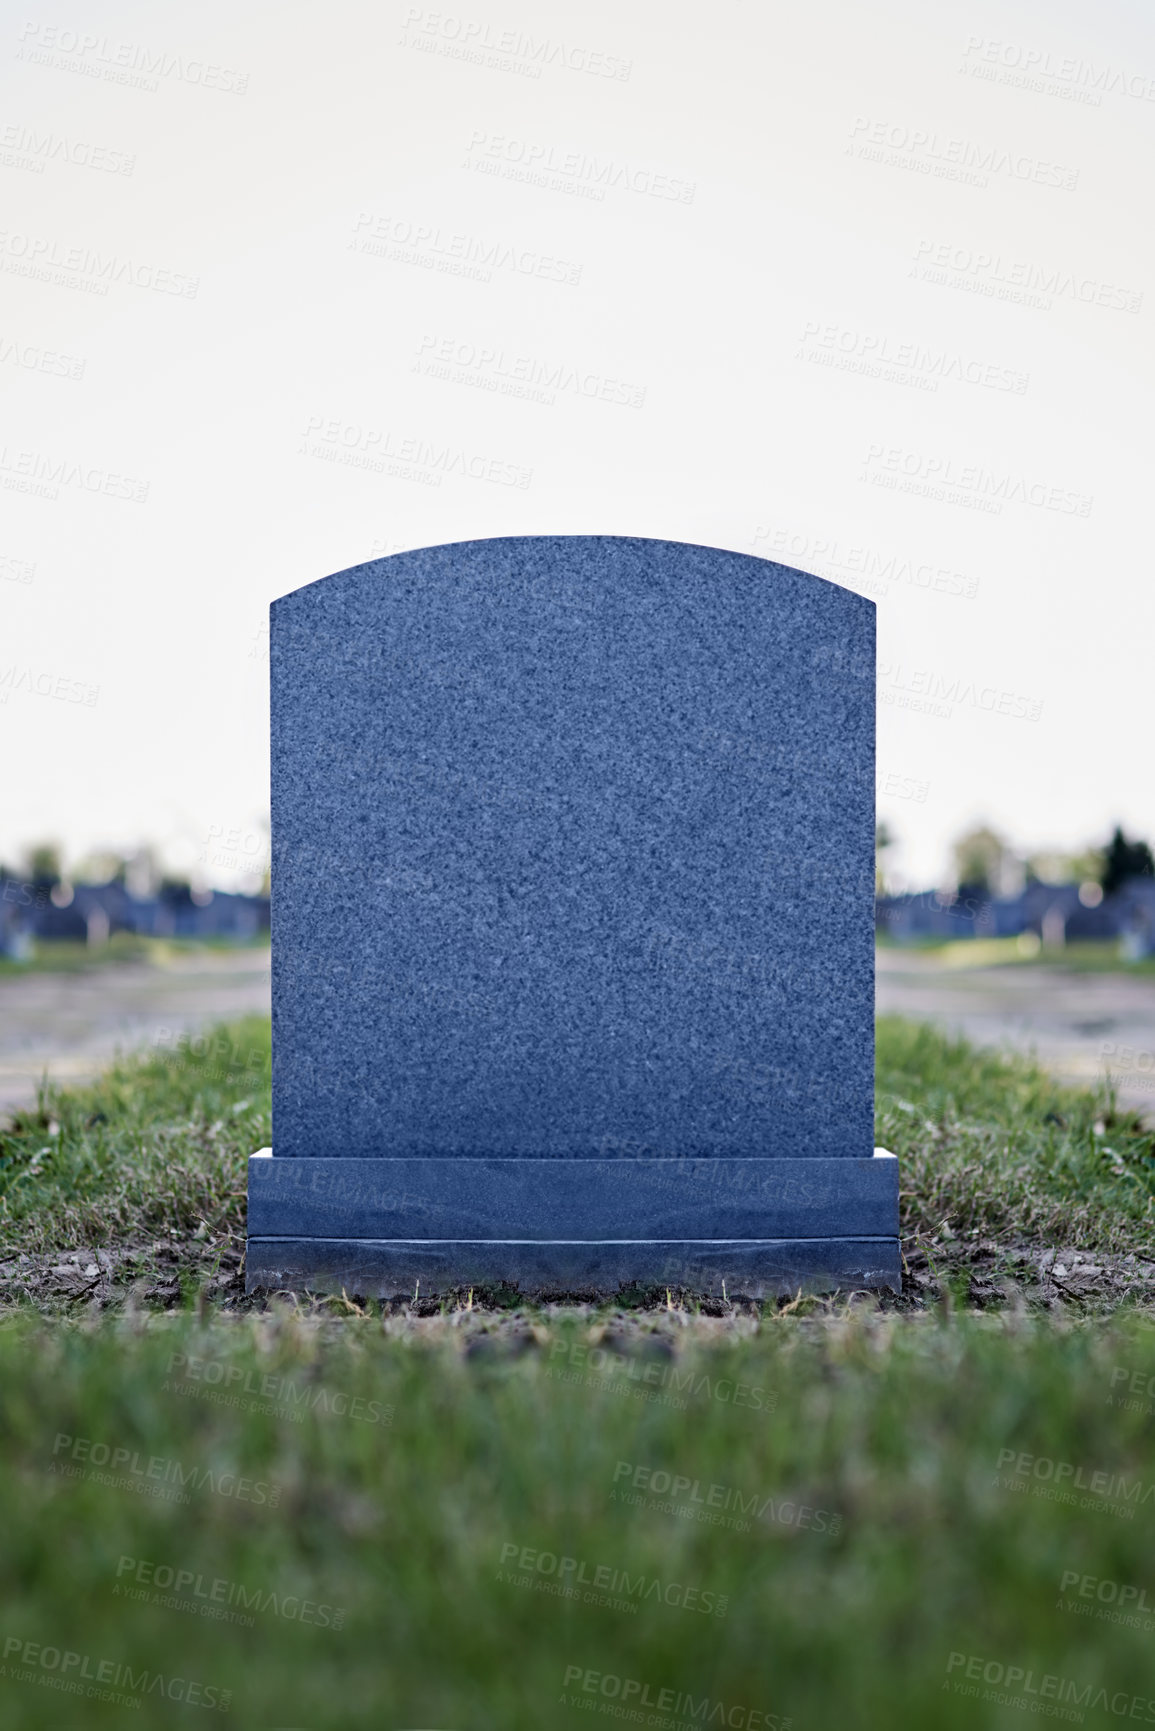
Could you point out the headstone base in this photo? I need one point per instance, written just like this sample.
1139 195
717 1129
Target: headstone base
576 1268
743 1228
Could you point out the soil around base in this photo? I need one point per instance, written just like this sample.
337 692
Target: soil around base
169 1274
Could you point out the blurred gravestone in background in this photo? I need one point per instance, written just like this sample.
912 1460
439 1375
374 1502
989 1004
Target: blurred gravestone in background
573 893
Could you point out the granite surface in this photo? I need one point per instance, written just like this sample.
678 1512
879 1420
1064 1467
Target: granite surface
462 1198
367 1268
573 855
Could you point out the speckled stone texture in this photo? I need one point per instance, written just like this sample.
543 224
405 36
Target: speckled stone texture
573 858
574 1268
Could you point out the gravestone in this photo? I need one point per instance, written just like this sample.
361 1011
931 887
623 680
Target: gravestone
572 927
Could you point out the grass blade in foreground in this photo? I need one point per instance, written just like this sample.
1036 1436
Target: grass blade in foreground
808 1522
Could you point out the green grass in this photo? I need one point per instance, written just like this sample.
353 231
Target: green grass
1082 955
157 1145
418 1472
891 1435
996 1147
73 955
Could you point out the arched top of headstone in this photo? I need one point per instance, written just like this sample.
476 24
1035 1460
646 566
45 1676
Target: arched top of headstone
573 853
573 556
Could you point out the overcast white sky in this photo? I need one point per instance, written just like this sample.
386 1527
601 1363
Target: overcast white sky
867 289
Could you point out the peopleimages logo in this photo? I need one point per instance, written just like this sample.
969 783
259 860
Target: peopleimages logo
121 62
102 1679
42 475
684 1706
1018 1685
1140 1386
55 685
34 359
24 147
896 786
573 170
1059 1480
426 244
218 1598
491 368
875 355
155 1475
565 1575
382 451
79 267
942 476
1026 64
477 41
910 687
864 564
915 147
1110 1601
233 1379
715 1503
1016 280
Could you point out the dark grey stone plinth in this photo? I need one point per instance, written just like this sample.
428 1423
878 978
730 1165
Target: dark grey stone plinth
573 920
763 1226
567 1268
595 1199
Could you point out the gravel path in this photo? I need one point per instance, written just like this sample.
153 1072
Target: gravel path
71 1024
1079 1024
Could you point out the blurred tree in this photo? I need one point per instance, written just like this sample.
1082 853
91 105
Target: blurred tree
44 862
1053 866
142 872
101 866
1123 859
984 864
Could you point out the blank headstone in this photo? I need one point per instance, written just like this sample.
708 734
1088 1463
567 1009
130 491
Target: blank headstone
572 924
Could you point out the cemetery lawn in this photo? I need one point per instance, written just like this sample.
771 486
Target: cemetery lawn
827 1523
1013 1187
503 1518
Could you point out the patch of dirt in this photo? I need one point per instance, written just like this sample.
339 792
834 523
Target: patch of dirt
155 1274
167 1274
987 1275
